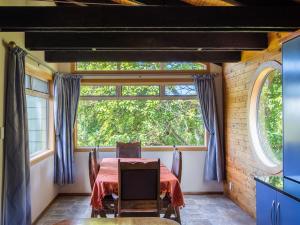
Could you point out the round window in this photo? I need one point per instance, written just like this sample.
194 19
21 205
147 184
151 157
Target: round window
265 115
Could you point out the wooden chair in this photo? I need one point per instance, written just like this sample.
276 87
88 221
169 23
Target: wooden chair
93 172
177 164
94 167
139 189
177 171
128 150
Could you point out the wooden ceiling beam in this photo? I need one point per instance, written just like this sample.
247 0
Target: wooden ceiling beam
145 56
164 2
128 2
139 40
154 18
209 2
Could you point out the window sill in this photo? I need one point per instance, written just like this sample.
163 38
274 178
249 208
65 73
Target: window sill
148 148
40 157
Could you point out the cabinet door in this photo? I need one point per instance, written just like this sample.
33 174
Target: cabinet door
288 211
265 204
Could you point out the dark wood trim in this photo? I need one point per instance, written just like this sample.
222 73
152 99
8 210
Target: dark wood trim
152 56
154 18
147 41
265 2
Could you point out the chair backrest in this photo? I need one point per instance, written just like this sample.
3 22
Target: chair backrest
177 164
93 167
128 150
139 187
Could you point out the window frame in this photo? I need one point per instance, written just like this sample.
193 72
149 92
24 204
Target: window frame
43 75
161 96
257 84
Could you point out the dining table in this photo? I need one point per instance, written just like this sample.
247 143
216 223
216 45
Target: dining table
119 221
106 183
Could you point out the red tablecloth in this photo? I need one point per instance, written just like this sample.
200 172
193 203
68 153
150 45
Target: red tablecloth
107 182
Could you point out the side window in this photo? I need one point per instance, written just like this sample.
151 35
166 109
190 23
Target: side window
37 99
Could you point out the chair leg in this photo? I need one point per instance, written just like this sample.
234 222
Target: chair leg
102 213
177 215
168 212
116 209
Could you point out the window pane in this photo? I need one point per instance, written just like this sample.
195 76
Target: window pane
27 82
183 66
98 90
129 66
140 90
270 116
92 66
140 66
37 114
179 90
153 122
39 85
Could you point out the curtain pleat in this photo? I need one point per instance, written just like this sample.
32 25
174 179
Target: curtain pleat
66 97
16 196
214 164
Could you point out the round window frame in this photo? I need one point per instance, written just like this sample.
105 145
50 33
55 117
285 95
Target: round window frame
257 83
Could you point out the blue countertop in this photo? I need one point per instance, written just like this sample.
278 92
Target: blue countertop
282 184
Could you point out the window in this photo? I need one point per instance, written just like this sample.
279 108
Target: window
140 113
265 118
138 66
150 90
37 100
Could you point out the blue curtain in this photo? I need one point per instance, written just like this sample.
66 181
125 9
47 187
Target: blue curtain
214 163
66 96
16 195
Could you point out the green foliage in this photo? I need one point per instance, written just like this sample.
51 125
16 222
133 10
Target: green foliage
107 66
270 115
152 90
153 122
98 90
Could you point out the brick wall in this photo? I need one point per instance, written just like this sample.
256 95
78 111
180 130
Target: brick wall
241 164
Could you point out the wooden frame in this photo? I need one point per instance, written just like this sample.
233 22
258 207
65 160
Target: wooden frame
44 75
139 204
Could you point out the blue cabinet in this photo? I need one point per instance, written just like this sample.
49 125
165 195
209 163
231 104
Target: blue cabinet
265 202
288 210
274 207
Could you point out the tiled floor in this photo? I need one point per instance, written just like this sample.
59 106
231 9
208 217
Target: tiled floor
199 210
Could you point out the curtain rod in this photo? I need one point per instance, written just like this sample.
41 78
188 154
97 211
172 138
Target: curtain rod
12 44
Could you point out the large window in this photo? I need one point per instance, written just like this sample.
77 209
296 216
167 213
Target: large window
265 118
156 115
37 99
138 66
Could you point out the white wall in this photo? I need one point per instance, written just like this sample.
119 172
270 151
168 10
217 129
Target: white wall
43 191
192 172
